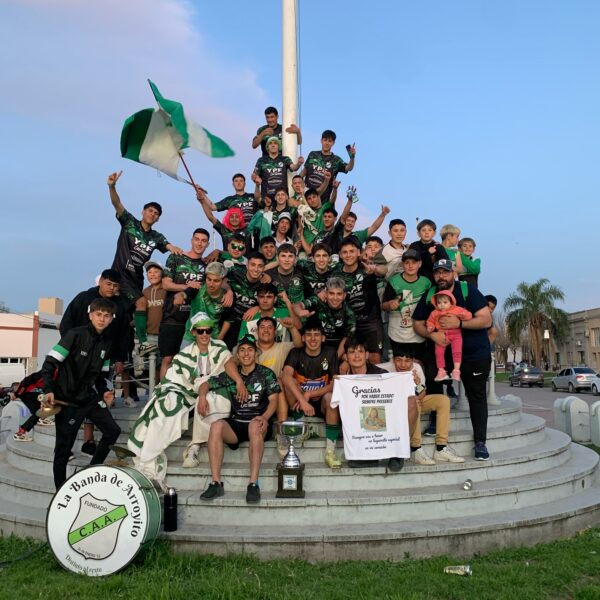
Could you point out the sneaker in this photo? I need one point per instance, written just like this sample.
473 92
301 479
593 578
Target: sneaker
455 374
45 422
22 436
430 430
446 454
214 490
71 457
129 402
252 493
395 464
190 458
481 452
331 460
89 448
147 348
138 365
363 464
420 457
442 375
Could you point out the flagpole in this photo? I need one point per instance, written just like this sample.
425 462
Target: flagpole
187 170
289 78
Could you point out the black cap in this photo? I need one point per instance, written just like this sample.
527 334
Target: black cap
248 340
443 263
411 253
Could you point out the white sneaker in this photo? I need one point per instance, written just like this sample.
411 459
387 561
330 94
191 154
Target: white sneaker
420 457
138 365
190 458
45 422
446 454
129 402
22 437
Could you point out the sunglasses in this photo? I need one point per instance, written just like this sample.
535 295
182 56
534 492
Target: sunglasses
203 330
235 246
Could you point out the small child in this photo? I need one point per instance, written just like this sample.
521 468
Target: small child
471 266
429 250
450 235
445 305
74 371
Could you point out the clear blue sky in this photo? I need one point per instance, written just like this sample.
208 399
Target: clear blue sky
485 115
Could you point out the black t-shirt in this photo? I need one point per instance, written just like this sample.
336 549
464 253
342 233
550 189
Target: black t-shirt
134 249
427 259
313 372
244 293
245 202
277 132
227 234
361 292
317 164
181 269
273 172
476 344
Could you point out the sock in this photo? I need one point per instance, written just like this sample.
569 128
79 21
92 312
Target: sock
21 430
332 432
439 448
296 414
140 319
413 449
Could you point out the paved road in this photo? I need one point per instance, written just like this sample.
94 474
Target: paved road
540 401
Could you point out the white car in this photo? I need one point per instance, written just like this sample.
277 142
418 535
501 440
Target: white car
574 379
596 385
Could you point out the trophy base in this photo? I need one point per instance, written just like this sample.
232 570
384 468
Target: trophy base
289 482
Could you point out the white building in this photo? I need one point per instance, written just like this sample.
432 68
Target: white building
25 339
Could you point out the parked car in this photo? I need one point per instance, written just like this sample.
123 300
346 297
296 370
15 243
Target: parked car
595 385
574 379
522 376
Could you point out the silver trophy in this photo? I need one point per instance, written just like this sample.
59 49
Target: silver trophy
292 432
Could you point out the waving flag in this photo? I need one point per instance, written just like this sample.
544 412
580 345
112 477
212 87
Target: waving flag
156 137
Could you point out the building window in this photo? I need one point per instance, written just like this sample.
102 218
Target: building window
595 336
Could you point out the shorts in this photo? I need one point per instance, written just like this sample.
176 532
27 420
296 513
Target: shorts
370 333
240 428
316 404
169 338
415 349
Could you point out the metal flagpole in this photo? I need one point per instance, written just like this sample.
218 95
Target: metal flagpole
289 77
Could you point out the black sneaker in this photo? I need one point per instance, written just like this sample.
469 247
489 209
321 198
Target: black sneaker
214 490
363 464
252 493
89 448
395 464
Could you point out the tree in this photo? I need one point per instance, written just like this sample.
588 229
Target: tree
531 309
3 307
502 343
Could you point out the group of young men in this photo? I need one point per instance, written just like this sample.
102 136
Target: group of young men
256 332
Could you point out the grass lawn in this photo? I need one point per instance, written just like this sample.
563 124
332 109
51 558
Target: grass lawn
566 569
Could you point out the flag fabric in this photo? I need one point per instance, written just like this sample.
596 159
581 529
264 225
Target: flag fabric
155 137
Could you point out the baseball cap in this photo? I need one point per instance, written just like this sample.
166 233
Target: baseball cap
443 263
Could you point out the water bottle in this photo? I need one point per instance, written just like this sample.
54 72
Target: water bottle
170 510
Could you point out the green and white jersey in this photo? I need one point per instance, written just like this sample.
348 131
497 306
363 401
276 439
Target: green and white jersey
244 293
361 292
260 383
292 283
251 327
134 248
316 224
273 172
400 328
245 202
213 307
317 164
338 323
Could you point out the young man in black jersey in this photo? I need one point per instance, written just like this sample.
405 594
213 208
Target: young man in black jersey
307 380
74 371
273 128
137 241
241 199
249 420
361 289
183 273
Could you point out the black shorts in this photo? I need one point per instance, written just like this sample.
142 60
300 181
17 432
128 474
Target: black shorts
240 429
170 337
317 405
370 333
414 349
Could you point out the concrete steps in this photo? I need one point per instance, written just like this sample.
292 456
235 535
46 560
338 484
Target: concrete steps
536 486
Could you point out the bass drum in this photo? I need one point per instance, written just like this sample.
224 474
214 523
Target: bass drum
101 518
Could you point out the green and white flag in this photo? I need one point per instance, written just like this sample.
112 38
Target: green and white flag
155 137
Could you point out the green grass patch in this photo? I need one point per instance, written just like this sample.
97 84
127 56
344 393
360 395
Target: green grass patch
565 569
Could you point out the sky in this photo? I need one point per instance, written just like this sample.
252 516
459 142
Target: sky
484 115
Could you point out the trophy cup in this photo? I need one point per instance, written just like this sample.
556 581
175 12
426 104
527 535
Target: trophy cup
290 470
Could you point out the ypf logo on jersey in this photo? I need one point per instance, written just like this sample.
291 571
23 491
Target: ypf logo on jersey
100 518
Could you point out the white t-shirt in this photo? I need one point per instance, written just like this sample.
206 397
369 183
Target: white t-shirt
374 412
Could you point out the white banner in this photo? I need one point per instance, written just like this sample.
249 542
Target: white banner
374 412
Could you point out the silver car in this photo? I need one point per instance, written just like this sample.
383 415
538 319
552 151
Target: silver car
574 379
596 385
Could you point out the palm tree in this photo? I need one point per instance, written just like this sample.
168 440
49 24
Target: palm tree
531 309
